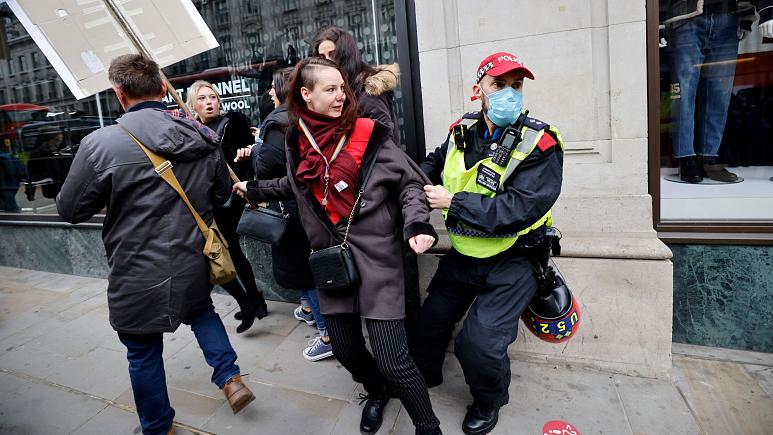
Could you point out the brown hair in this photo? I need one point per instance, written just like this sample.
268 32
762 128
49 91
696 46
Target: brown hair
281 79
304 76
346 54
136 75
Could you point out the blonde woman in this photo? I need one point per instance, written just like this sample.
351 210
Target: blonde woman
233 128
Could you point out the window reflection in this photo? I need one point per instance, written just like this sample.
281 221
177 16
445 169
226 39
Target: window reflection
42 124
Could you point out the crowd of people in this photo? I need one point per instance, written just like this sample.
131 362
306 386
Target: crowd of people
328 156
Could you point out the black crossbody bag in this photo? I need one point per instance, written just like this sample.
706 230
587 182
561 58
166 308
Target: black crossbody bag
333 268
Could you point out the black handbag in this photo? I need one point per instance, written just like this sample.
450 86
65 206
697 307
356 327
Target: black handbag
333 268
263 224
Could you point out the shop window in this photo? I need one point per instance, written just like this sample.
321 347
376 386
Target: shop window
46 124
715 148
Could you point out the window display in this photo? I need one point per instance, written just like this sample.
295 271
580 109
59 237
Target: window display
716 64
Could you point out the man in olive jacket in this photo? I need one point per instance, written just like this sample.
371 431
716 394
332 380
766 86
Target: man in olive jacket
159 277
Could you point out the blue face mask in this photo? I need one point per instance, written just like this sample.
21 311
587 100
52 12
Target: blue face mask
504 106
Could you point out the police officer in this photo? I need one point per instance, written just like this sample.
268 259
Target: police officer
497 176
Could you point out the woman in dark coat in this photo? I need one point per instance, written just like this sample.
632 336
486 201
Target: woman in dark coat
233 128
289 258
374 88
388 211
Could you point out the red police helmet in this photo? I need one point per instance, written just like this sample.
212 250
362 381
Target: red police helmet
553 315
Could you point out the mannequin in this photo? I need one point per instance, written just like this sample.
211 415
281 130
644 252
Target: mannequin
703 36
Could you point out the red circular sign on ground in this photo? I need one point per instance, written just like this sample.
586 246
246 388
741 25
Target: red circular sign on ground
558 427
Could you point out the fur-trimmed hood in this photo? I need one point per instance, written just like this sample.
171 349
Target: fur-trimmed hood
384 80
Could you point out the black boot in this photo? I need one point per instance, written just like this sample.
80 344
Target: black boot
480 419
247 318
690 170
373 412
261 310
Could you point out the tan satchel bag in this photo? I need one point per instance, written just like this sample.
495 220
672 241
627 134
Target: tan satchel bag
221 267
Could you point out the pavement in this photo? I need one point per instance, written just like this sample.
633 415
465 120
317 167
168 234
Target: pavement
63 371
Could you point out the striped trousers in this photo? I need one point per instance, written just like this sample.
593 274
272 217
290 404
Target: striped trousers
389 368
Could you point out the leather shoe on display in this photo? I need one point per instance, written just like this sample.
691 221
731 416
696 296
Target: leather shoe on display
480 419
373 412
689 170
717 171
237 394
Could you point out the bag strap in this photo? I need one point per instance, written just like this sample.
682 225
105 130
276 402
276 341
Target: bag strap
163 168
363 128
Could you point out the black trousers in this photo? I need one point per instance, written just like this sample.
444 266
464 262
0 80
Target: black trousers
389 368
496 291
227 220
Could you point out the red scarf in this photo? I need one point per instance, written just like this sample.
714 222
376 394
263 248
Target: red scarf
326 132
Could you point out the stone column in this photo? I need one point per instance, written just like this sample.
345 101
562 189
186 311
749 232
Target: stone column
589 61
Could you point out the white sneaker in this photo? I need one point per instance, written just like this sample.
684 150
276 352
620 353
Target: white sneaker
318 350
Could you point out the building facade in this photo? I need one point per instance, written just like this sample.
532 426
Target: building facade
599 69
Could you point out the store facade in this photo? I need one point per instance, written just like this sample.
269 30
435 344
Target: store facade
598 79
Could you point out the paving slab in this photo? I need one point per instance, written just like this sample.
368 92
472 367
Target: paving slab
111 420
278 411
763 375
654 407
450 413
348 421
188 370
36 326
725 398
98 372
543 392
280 320
92 329
31 361
191 409
21 412
286 367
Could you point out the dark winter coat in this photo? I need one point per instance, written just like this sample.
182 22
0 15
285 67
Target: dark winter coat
290 258
233 128
154 248
392 209
376 99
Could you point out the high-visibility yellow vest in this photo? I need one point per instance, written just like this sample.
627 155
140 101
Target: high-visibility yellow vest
456 177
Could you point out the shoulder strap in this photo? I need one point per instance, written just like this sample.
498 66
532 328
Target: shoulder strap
163 167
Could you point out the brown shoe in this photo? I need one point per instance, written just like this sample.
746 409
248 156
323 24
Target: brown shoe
237 394
171 430
718 172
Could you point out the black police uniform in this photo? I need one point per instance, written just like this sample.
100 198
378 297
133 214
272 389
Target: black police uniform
495 290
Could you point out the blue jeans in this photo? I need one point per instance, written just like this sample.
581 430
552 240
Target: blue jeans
146 365
703 53
309 299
